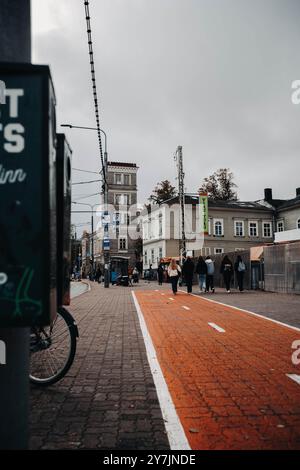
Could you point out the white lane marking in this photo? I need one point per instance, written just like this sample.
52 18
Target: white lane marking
171 298
156 290
162 294
216 327
174 429
248 311
185 307
294 377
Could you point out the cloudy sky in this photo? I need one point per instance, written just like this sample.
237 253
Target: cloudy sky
211 75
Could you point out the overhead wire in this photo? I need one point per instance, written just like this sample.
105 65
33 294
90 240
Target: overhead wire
94 85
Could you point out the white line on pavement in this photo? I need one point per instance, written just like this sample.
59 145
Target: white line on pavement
294 377
175 432
185 307
247 311
171 298
216 327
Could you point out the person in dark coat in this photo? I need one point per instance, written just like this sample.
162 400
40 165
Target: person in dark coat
98 275
160 273
201 270
188 273
227 271
240 269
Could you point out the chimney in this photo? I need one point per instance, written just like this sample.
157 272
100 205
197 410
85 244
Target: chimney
268 194
297 192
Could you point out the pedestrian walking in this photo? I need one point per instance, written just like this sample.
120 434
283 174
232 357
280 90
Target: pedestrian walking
227 271
201 270
240 269
210 274
188 269
98 275
174 272
135 275
160 273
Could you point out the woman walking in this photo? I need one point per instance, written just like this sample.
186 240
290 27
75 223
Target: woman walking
174 271
160 273
210 274
240 268
201 270
227 271
188 273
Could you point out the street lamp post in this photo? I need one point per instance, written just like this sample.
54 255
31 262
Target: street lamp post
92 224
106 225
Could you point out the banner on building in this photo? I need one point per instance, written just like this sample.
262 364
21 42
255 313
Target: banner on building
203 206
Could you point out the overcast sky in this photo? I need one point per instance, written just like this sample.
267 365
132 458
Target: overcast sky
211 75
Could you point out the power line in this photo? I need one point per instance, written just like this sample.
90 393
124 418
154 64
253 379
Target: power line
87 195
86 182
86 171
93 76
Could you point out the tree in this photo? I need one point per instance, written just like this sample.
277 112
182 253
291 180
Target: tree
220 185
162 191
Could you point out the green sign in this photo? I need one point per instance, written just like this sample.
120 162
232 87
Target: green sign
203 205
27 196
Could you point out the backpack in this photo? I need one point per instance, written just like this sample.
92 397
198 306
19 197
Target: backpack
241 267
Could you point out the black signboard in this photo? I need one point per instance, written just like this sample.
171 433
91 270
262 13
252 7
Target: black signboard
27 196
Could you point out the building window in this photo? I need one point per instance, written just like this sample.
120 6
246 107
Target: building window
267 229
146 257
280 226
218 251
126 180
160 252
298 223
239 228
152 256
209 226
160 225
218 227
122 199
118 178
205 251
122 244
253 229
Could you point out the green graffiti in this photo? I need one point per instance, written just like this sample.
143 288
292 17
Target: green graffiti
22 302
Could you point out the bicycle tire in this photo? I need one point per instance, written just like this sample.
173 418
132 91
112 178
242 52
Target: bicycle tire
73 331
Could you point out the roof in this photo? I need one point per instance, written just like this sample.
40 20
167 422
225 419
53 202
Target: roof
122 164
193 199
289 203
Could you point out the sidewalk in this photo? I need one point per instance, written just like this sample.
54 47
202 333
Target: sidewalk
108 399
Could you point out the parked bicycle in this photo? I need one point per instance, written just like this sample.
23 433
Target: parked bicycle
52 349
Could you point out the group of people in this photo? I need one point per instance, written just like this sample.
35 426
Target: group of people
205 269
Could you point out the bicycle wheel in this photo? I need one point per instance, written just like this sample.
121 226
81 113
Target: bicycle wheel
52 349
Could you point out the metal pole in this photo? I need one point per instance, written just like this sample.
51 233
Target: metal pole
92 241
106 226
182 244
15 46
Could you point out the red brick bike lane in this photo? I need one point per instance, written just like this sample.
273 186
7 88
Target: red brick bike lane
226 372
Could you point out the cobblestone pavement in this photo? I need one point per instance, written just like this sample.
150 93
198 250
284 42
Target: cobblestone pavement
226 371
108 399
280 307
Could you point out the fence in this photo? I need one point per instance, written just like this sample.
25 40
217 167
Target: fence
282 268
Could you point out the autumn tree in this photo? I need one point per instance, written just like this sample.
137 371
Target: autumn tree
162 192
220 185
